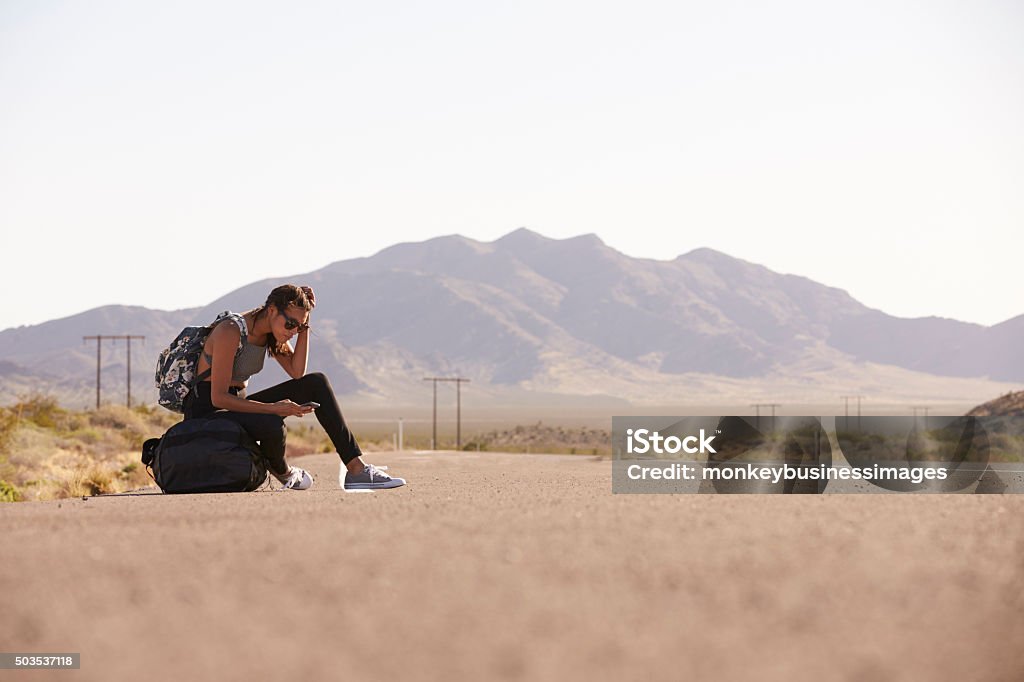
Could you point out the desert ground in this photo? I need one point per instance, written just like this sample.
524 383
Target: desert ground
500 566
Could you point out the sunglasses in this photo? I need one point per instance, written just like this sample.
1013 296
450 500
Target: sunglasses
291 323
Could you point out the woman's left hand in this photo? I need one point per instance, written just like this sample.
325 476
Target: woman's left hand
310 295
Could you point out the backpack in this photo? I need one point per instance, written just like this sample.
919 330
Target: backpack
205 455
176 366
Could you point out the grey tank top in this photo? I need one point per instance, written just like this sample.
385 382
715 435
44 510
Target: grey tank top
249 357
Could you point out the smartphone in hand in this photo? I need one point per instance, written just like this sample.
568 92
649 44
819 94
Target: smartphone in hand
310 404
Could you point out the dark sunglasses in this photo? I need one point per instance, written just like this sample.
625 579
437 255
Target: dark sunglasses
291 323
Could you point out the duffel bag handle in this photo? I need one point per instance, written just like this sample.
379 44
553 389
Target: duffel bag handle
149 451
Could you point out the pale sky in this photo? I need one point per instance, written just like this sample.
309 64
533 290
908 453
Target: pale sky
165 153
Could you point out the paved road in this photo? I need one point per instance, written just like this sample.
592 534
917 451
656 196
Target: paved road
516 567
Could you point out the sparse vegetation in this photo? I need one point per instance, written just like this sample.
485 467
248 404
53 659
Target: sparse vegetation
1009 404
48 452
8 493
540 437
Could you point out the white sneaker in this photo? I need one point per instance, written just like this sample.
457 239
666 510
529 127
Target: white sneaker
298 479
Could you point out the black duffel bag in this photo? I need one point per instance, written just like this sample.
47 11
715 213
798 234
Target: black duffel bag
206 455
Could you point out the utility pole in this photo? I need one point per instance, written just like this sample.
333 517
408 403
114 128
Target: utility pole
99 344
846 401
128 338
433 438
757 407
915 408
458 412
458 408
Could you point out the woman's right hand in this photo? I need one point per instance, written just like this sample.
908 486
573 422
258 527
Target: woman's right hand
287 408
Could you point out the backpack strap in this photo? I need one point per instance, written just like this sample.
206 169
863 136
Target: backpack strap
239 321
243 330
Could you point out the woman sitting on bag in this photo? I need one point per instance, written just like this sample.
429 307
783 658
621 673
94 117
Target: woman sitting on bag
235 350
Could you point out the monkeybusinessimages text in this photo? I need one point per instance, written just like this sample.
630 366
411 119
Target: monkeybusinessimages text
642 441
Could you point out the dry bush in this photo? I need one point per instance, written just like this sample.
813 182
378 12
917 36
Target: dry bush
40 409
540 437
71 474
8 492
8 423
133 426
47 452
94 480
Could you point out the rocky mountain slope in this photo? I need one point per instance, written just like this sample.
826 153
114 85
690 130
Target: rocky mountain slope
526 315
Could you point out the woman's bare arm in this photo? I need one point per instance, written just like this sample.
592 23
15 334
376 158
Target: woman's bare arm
296 362
222 344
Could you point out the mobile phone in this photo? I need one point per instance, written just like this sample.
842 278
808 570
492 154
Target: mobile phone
310 404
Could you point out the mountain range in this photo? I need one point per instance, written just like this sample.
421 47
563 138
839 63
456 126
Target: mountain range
526 317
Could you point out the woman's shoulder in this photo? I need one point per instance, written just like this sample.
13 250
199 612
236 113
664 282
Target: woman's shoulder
236 331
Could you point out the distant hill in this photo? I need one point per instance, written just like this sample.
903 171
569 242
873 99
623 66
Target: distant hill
527 316
1009 405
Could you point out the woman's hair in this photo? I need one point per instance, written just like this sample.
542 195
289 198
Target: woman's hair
280 298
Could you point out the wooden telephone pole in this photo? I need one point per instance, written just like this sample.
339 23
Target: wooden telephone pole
458 409
99 344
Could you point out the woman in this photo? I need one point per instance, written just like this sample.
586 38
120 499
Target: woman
236 349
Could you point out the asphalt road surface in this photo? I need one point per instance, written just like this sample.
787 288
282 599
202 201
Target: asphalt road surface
509 567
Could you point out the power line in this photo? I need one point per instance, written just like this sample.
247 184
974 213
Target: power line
458 409
915 408
757 407
846 401
99 339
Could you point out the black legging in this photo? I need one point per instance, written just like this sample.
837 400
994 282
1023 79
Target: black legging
269 429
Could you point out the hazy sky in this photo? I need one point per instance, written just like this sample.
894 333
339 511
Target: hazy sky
164 153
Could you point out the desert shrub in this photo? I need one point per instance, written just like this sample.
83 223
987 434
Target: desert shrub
93 480
88 435
118 419
73 421
8 423
540 437
47 452
146 410
40 409
124 428
8 492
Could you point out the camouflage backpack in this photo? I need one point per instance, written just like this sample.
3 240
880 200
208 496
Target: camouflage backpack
176 366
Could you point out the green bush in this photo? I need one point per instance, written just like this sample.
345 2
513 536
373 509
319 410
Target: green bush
8 492
42 410
8 423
